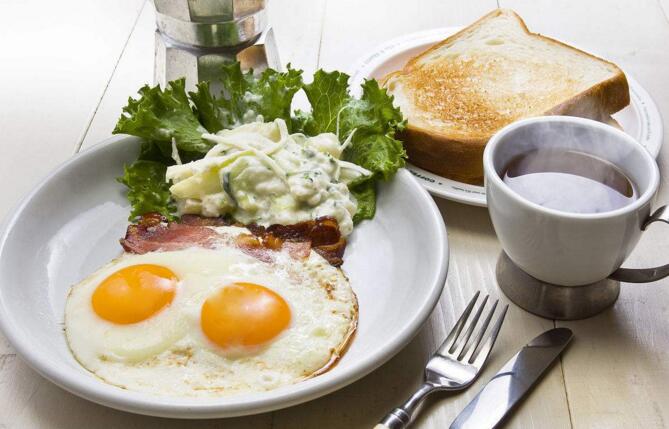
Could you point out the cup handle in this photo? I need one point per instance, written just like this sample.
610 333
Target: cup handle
645 275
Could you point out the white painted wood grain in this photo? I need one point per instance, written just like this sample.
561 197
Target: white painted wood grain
664 4
298 27
352 28
134 69
5 348
55 60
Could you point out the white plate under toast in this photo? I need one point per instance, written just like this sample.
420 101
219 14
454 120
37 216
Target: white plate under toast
641 119
70 224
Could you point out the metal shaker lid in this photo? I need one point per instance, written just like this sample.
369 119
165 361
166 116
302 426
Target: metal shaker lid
211 23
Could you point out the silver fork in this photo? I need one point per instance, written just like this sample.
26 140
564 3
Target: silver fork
456 363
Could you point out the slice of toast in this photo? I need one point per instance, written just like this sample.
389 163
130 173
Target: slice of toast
458 93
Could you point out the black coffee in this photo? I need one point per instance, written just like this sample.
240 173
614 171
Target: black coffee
570 181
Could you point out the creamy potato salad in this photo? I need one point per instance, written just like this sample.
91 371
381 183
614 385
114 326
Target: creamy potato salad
260 173
254 157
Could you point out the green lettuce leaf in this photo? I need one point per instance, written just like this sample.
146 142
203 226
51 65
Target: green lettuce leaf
299 120
161 115
365 194
379 153
246 96
373 119
335 110
147 190
328 95
206 107
374 112
271 95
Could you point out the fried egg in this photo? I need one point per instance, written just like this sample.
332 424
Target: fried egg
210 321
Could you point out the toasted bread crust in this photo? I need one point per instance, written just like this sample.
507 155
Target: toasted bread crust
459 156
599 102
472 27
455 159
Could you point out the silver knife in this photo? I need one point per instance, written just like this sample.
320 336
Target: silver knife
513 381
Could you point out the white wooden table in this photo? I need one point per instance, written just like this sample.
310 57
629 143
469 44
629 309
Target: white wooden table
67 68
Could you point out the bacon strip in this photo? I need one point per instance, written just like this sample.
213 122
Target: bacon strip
322 235
190 219
253 246
153 232
333 253
298 249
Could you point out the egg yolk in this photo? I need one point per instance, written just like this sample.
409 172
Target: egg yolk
134 293
244 314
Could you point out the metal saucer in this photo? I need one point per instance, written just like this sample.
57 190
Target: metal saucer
554 301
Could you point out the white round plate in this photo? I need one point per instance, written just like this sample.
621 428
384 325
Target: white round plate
71 223
641 119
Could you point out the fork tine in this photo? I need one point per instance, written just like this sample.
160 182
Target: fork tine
461 346
455 332
479 337
479 358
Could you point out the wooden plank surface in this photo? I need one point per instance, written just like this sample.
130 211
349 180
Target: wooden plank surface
664 5
55 61
615 373
134 69
352 28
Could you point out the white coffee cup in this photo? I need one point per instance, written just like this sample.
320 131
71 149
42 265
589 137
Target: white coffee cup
564 248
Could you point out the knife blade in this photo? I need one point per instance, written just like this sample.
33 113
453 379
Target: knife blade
513 381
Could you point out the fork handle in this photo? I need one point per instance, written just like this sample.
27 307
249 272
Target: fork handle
400 417
396 419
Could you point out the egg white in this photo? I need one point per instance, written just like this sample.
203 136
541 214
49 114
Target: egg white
168 354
